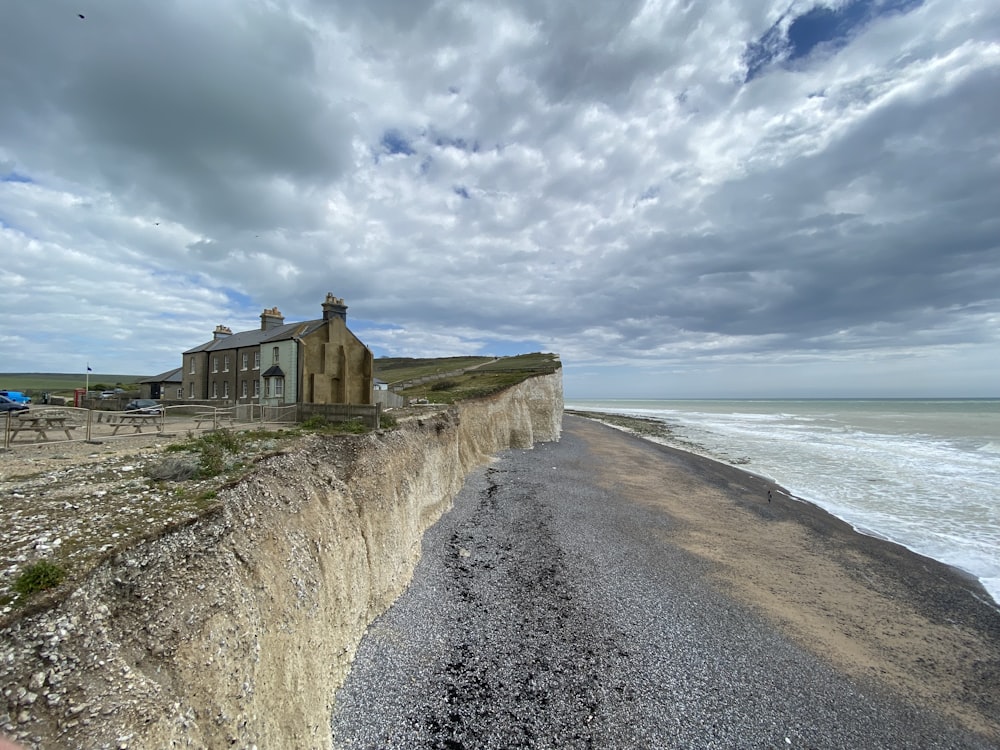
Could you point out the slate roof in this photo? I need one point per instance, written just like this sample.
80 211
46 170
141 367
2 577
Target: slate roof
257 336
170 376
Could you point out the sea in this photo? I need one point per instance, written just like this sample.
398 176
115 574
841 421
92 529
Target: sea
924 473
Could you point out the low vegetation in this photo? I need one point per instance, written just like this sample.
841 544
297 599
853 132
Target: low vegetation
38 576
395 370
482 380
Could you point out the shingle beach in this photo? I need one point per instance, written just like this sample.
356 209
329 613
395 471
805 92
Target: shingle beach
610 592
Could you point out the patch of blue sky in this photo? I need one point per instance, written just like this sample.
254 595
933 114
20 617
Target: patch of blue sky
819 26
374 325
240 300
460 191
16 177
394 142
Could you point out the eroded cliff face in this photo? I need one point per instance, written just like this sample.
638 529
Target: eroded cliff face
236 630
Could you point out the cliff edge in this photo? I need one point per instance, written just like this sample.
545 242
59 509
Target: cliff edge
237 629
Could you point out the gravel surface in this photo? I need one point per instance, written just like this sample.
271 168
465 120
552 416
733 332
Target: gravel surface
550 611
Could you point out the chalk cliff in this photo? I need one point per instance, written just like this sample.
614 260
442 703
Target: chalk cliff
236 630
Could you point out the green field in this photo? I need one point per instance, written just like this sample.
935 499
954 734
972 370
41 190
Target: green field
488 378
60 383
400 369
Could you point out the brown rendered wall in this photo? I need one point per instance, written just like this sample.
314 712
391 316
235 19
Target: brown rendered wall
336 367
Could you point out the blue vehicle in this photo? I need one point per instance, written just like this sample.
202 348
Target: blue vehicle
16 396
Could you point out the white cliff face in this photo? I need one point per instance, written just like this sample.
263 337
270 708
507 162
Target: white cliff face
236 630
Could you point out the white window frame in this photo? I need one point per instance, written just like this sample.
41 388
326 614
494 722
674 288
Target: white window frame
243 389
275 353
256 389
191 366
245 362
215 389
279 387
215 364
225 363
256 359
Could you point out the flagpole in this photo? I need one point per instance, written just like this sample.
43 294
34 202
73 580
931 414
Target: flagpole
88 380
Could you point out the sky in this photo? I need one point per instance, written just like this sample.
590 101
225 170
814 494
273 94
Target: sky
735 199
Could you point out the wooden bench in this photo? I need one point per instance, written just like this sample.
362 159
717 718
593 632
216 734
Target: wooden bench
213 418
40 424
137 420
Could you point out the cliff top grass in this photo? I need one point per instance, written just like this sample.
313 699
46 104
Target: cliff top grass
402 369
483 378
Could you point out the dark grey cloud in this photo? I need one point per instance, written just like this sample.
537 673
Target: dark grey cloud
192 114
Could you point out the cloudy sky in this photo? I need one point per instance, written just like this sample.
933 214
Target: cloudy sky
683 199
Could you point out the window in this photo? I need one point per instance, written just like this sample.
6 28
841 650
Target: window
180 392
215 364
225 363
256 360
279 386
246 359
267 387
191 394
243 388
225 389
191 365
256 389
275 353
215 389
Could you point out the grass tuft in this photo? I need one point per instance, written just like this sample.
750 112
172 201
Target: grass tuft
38 576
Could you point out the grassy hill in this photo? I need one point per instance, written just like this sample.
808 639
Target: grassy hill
36 383
450 379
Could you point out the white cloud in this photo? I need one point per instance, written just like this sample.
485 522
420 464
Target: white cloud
602 183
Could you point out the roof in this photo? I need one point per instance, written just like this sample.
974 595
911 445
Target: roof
273 372
257 336
170 376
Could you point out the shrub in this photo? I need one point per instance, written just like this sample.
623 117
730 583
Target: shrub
387 421
444 385
213 460
38 576
174 469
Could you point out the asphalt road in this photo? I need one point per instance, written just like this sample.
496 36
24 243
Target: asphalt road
548 612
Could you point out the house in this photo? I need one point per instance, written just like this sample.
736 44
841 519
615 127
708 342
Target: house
166 385
316 361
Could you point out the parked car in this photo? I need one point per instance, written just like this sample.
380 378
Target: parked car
16 396
145 405
8 404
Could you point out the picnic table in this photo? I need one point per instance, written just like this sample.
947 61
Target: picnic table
137 419
215 418
40 423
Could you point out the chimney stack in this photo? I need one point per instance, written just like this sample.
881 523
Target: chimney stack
334 307
271 319
221 332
